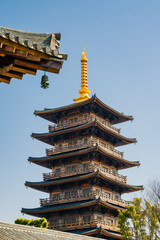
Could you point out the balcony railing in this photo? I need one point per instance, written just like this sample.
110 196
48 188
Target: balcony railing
79 169
69 124
97 223
81 196
80 145
73 170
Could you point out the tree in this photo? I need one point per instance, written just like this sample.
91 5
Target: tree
41 223
143 221
153 192
153 196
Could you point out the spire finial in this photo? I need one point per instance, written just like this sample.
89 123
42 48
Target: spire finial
84 92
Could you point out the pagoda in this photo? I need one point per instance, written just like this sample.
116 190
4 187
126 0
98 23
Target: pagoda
84 184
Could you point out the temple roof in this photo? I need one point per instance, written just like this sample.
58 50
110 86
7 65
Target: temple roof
47 161
45 186
26 52
99 231
93 103
68 206
18 232
115 138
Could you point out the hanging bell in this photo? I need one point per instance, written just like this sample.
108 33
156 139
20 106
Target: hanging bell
44 81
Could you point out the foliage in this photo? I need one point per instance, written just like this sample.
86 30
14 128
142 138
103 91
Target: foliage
143 221
41 223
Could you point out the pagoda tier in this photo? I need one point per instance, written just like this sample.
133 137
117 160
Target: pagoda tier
93 104
98 177
103 207
114 158
94 128
98 215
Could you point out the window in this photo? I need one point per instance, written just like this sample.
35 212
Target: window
75 143
74 193
87 219
56 197
71 121
54 222
76 119
116 197
85 141
70 220
70 145
86 192
85 117
67 195
60 147
57 171
86 166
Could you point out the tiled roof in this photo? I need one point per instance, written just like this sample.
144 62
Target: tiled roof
43 184
68 206
20 232
113 115
42 160
100 230
43 42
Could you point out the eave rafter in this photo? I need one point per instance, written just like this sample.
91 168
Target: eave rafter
20 54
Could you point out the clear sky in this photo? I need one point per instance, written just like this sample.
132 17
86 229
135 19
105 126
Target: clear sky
122 40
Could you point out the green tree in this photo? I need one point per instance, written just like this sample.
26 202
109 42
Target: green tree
143 221
41 223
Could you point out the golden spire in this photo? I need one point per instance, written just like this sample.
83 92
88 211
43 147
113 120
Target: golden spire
84 92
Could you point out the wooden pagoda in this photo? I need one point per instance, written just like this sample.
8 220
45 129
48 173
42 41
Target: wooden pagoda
26 52
84 185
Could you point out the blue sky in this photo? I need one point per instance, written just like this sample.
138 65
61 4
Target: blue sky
122 40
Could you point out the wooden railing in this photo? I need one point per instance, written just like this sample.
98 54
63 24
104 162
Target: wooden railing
80 145
82 169
56 127
85 224
79 169
80 196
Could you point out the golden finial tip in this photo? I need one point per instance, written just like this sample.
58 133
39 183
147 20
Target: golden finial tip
84 91
84 54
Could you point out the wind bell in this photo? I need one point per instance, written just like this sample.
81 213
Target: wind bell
44 81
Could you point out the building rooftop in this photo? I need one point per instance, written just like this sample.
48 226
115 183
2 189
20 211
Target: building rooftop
94 102
26 52
10 231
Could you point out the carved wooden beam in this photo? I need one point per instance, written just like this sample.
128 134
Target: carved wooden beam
13 74
6 68
24 70
20 54
9 49
48 66
5 79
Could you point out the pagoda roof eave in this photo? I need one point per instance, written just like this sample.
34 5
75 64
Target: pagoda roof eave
99 231
121 140
118 117
41 186
68 206
91 232
41 160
